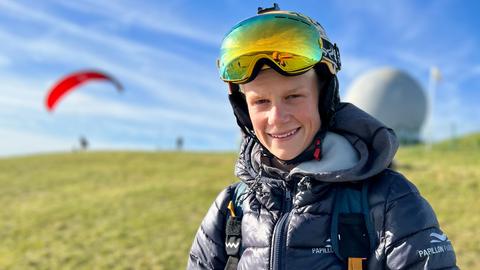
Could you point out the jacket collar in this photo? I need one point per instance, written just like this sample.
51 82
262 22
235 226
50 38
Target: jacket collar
358 147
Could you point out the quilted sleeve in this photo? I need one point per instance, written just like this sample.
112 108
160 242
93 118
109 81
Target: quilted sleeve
208 248
413 238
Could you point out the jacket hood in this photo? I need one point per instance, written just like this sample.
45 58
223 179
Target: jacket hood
356 147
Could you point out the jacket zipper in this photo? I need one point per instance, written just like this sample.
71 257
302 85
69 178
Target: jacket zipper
279 243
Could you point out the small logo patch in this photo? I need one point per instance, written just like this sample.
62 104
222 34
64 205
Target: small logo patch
324 250
442 244
438 238
233 244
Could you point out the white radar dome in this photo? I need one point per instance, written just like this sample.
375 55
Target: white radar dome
393 97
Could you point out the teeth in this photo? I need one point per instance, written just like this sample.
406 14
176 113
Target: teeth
280 136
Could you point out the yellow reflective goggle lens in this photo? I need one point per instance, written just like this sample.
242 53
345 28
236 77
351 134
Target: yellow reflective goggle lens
289 42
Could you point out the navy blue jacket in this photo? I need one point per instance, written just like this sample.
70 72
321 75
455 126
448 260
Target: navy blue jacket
287 215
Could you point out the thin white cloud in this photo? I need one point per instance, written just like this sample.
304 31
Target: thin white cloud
80 31
164 87
165 20
18 94
75 105
4 60
24 98
15 142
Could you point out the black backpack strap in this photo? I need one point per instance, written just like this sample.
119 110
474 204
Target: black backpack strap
233 230
352 233
233 241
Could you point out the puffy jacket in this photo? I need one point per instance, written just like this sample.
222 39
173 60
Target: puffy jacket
287 215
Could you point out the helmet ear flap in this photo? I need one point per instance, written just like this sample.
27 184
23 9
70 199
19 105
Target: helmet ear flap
334 100
240 109
329 97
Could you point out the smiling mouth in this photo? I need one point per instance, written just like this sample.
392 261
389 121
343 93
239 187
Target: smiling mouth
284 135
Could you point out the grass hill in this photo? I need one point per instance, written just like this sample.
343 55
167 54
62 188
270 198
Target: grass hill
136 210
449 177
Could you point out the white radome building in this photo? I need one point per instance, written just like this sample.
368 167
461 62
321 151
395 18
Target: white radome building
393 97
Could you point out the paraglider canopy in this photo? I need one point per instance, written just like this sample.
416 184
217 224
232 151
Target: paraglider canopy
72 81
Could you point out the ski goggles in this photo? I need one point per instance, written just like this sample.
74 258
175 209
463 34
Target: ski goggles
288 43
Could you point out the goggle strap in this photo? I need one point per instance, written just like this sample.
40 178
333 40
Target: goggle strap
331 52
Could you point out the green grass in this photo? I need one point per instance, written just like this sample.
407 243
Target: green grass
105 210
136 210
449 177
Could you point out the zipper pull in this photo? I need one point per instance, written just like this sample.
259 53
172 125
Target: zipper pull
288 195
288 200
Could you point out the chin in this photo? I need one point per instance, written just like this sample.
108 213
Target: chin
284 155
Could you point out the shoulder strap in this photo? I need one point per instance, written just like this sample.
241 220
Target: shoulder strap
233 230
239 191
352 232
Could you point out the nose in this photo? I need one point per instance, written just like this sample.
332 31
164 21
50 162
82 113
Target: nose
278 114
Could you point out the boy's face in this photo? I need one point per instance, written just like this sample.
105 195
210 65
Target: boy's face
284 111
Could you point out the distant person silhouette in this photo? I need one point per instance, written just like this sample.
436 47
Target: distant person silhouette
83 143
179 143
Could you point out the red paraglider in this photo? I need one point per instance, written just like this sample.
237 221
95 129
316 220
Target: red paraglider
71 81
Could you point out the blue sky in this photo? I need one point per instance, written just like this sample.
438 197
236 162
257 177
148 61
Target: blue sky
164 53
